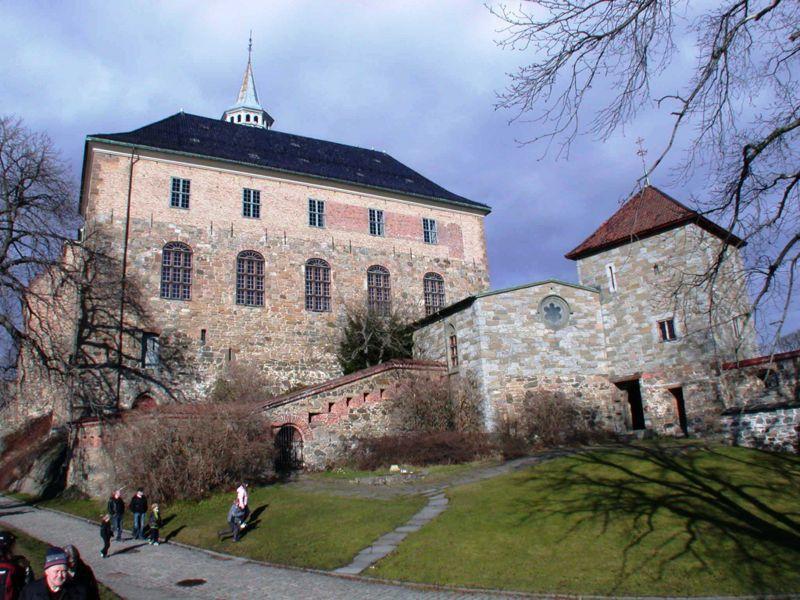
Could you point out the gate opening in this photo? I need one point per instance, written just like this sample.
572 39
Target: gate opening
634 392
289 446
680 407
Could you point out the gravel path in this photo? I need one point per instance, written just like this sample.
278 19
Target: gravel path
138 571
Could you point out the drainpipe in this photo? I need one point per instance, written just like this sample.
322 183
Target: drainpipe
134 159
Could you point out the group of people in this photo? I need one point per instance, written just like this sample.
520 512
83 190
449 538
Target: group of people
66 576
239 512
111 522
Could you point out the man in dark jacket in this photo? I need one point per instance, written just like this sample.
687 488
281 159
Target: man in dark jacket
55 584
15 571
81 574
138 506
116 509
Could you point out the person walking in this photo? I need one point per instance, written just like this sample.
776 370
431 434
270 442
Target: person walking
15 571
154 523
81 574
116 510
138 506
106 534
242 500
55 585
235 514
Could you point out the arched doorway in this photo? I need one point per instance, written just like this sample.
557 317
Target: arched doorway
289 446
144 402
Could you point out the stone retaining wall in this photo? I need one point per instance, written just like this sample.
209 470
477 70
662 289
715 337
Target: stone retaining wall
771 429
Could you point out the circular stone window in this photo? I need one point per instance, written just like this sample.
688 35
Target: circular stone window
554 312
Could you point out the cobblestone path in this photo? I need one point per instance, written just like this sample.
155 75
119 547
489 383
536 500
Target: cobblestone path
138 571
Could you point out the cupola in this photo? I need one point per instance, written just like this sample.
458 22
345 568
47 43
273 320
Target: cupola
248 110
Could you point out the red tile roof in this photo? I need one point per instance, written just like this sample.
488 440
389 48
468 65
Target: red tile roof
648 212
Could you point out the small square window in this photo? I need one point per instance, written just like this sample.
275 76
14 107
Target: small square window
429 231
150 350
251 203
666 330
180 193
316 213
376 222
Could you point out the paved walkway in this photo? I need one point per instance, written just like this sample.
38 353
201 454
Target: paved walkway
138 571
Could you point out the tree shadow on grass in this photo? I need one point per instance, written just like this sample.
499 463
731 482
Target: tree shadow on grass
709 506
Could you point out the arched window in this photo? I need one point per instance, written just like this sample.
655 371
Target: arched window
318 285
433 286
379 291
250 278
452 346
176 271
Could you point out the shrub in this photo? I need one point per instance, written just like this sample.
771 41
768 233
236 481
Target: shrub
436 404
186 453
551 419
421 448
242 383
510 441
370 337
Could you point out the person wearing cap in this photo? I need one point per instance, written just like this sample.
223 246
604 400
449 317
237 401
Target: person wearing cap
15 571
55 584
81 574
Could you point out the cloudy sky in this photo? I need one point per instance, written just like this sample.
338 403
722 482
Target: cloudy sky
416 79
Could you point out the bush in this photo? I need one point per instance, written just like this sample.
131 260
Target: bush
370 337
242 383
421 448
436 404
551 419
186 453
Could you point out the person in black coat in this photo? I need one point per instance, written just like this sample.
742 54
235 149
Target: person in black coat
81 574
138 506
106 534
55 585
116 509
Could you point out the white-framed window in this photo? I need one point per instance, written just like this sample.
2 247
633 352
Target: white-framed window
376 221
151 351
179 198
429 231
316 213
666 330
251 203
611 272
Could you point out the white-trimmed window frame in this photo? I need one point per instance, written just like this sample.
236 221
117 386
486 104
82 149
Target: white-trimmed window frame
316 213
180 193
430 234
376 222
251 203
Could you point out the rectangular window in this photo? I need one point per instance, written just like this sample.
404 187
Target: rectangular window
251 203
180 193
316 213
375 221
429 231
612 278
666 330
150 350
453 351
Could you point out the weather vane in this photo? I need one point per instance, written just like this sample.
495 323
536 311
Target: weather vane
641 152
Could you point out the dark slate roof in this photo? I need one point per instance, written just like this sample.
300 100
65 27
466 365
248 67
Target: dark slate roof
646 213
217 139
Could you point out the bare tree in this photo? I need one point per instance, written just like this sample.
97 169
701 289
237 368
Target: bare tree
604 63
37 208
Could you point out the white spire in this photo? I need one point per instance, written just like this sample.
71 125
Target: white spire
248 110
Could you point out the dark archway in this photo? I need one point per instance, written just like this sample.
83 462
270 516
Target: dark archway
634 392
289 446
145 402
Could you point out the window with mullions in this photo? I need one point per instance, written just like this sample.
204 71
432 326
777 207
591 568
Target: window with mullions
429 231
180 193
379 291
318 285
176 271
250 279
666 330
316 213
433 287
251 203
375 221
452 344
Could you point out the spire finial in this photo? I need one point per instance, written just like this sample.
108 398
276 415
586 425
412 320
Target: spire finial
250 46
641 152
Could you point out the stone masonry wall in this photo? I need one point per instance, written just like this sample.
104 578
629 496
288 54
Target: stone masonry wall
770 429
331 416
293 346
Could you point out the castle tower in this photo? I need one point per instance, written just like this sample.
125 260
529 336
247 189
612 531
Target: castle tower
248 110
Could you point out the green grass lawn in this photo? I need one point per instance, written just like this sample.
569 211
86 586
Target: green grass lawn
34 550
645 520
291 527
